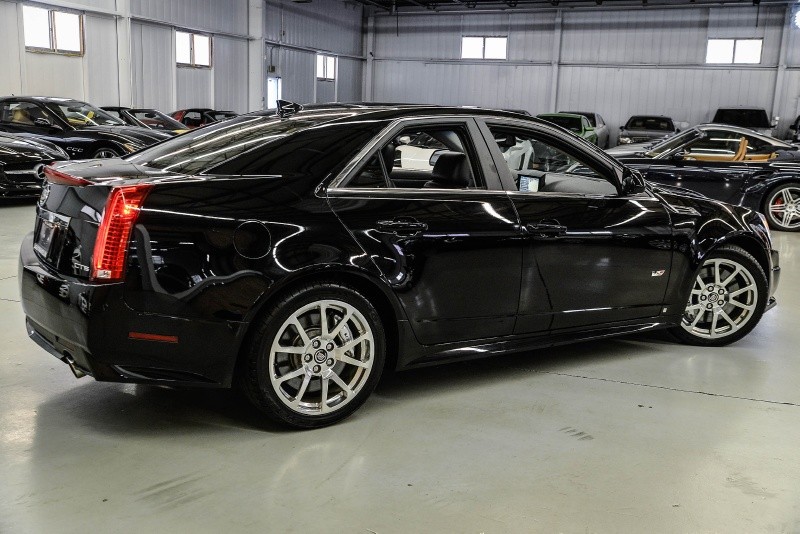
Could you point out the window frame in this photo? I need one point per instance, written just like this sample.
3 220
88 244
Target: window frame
482 162
192 62
601 162
736 41
51 30
483 48
325 58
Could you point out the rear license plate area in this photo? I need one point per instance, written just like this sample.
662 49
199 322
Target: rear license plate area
51 230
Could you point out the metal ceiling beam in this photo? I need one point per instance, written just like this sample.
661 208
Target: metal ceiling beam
504 6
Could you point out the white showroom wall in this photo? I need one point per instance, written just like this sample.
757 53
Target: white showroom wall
615 62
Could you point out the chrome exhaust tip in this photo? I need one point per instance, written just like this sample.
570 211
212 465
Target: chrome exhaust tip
69 360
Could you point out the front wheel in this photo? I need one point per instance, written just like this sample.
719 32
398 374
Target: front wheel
727 300
783 207
105 153
316 357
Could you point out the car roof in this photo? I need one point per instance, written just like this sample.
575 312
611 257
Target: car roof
651 117
53 99
584 113
378 111
562 114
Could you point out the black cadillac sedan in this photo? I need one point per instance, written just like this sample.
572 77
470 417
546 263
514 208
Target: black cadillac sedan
296 256
726 163
22 163
81 129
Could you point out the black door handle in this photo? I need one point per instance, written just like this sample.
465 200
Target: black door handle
402 227
546 229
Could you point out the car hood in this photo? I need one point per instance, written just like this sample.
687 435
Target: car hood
15 149
632 149
128 134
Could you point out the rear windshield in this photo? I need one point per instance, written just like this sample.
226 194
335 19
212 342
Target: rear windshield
258 145
570 123
746 118
650 123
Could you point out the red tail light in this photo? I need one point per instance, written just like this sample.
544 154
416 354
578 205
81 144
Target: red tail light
58 177
111 247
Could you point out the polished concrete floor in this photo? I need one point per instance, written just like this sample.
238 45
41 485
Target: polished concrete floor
629 435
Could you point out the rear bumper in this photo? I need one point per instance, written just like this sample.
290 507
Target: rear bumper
89 327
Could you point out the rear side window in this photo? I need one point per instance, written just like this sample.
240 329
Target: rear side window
314 151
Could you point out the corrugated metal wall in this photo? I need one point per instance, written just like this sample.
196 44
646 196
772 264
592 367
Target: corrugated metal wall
614 62
153 67
294 33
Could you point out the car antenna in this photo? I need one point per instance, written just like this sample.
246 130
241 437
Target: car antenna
286 108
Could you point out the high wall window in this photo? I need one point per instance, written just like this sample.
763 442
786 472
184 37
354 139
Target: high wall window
484 48
734 51
192 49
326 67
52 30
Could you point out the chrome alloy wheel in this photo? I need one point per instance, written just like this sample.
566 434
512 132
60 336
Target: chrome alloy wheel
784 207
321 357
105 153
723 299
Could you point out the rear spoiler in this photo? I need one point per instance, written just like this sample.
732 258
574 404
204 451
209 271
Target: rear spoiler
58 177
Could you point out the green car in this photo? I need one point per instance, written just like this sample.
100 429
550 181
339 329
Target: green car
577 124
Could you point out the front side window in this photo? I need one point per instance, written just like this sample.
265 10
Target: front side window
538 166
52 30
192 49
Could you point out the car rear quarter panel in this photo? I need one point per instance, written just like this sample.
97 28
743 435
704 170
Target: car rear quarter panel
215 252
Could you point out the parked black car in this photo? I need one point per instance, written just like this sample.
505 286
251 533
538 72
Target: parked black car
750 118
646 128
196 117
81 129
22 162
727 163
146 118
292 256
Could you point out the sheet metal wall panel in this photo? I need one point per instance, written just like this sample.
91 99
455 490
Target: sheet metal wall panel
530 36
351 72
332 25
11 80
491 85
153 67
230 74
665 36
229 16
195 88
297 70
689 95
101 63
750 23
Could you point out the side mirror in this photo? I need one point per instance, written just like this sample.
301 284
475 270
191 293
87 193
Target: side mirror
775 121
678 156
628 185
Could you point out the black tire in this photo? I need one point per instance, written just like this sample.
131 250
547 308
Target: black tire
105 152
262 367
776 198
691 333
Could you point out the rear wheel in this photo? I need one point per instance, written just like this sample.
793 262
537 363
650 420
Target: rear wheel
782 207
316 357
105 153
726 301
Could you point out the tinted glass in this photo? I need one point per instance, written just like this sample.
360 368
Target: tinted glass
156 120
371 175
81 115
673 142
570 123
22 113
303 151
747 118
538 166
650 123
